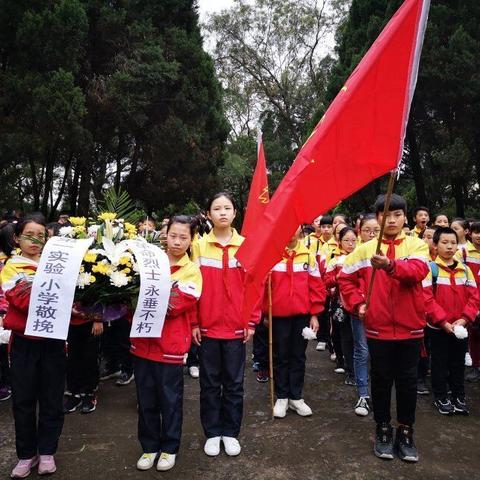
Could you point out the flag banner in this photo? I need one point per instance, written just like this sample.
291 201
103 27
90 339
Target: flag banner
155 286
359 139
53 287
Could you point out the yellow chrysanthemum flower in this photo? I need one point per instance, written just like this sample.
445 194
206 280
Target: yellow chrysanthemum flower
126 270
77 221
102 268
79 229
124 260
92 279
130 228
107 216
90 257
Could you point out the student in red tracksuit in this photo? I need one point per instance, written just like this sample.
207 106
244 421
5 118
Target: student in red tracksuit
37 364
453 301
159 361
394 322
298 296
221 333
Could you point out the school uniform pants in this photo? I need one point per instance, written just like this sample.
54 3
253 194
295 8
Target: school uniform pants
448 364
160 405
289 356
82 359
260 346
360 356
38 377
394 361
346 339
116 345
4 366
222 366
474 342
323 334
192 358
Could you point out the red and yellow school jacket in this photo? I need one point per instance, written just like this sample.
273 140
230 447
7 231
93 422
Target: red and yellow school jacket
315 245
470 256
297 287
3 300
181 316
220 307
453 294
334 267
397 308
16 280
417 231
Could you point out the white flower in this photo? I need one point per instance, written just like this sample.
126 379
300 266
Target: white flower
119 279
136 267
83 280
92 230
66 231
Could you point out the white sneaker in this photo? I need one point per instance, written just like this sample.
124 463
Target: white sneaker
321 346
333 357
300 407
280 408
232 447
166 461
146 461
362 408
468 360
194 372
339 370
212 446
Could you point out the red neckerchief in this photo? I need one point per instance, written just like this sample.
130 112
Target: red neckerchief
391 246
289 256
225 265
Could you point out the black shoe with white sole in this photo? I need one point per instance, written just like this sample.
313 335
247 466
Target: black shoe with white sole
444 406
383 447
404 445
460 406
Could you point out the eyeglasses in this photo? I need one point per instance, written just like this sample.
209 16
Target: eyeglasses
370 232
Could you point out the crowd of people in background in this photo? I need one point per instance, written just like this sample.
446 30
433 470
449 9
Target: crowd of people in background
418 322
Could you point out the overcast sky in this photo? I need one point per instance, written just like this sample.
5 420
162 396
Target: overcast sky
208 6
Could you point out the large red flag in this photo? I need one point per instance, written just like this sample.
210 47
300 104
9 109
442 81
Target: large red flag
258 197
360 138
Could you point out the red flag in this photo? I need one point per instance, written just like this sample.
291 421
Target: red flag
258 197
360 138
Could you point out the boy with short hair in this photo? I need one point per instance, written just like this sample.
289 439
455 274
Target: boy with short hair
421 217
394 322
452 298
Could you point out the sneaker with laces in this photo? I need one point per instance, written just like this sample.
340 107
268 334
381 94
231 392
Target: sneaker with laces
383 446
256 367
280 408
460 406
166 461
146 461
72 403
444 406
339 370
124 379
46 465
321 346
232 446
5 393
110 373
212 446
404 445
362 408
194 371
23 467
89 403
300 407
350 380
473 376
263 376
422 388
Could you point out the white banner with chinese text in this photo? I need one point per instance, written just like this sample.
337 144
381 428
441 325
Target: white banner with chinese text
54 286
155 286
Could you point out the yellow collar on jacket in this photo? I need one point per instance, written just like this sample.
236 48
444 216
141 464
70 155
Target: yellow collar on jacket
236 239
441 262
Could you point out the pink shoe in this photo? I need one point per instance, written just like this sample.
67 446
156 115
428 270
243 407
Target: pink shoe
23 467
47 465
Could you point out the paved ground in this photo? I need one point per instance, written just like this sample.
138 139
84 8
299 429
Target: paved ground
333 443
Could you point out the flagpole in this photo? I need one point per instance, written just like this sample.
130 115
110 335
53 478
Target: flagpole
270 343
388 198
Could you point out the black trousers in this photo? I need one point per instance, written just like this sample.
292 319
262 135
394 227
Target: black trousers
448 364
323 334
346 338
222 366
289 356
38 376
394 361
260 346
192 358
116 345
160 405
424 362
336 336
4 366
82 359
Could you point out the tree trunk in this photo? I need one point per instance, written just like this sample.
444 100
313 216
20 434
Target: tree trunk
457 189
416 166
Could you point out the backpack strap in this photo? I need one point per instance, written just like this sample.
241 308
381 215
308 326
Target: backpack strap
434 270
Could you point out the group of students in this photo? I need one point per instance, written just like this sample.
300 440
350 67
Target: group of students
321 282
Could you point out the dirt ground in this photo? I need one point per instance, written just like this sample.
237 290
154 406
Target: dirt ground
333 443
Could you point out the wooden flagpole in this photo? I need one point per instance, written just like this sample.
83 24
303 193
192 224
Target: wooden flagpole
388 198
270 344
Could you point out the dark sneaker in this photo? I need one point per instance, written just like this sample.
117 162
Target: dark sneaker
350 380
110 373
404 444
473 376
383 447
422 388
72 403
124 379
256 366
459 406
444 406
5 393
262 376
89 403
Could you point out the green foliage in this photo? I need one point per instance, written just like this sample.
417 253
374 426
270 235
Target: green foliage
119 202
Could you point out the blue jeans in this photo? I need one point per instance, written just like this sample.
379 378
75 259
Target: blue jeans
360 356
